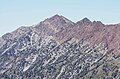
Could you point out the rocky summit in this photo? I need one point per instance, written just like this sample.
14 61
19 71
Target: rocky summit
58 48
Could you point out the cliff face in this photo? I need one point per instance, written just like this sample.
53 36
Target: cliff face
58 48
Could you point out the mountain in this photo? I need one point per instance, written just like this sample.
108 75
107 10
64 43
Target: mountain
58 48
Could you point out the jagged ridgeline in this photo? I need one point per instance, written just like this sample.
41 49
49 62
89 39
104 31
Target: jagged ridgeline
58 48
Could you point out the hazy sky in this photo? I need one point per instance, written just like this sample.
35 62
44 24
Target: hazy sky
16 13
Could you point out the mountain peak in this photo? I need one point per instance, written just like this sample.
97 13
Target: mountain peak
84 21
58 18
56 23
98 23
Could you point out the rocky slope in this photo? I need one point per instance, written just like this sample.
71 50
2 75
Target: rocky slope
58 48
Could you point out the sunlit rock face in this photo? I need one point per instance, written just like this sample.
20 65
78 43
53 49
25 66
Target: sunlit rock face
58 48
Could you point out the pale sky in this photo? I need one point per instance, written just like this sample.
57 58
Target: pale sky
16 13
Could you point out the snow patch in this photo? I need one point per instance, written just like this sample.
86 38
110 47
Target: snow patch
31 59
